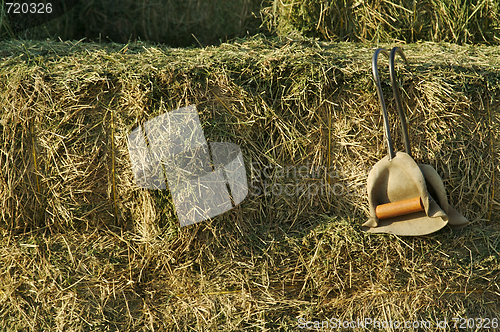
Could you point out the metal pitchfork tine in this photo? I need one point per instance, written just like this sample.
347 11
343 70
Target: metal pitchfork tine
397 97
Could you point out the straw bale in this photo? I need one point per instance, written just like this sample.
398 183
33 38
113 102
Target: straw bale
80 240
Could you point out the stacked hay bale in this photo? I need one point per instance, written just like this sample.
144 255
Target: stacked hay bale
82 246
67 114
468 21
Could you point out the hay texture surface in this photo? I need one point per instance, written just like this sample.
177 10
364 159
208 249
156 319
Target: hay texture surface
83 248
463 21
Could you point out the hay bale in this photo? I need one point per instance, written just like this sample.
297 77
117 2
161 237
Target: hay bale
386 21
278 105
275 258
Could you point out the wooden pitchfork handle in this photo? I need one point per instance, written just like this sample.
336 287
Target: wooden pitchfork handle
399 208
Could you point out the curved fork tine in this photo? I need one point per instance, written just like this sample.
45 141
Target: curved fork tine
376 77
397 96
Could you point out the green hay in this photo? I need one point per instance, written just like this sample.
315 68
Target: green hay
457 21
69 261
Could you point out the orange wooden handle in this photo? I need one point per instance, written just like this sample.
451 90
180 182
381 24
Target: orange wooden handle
399 208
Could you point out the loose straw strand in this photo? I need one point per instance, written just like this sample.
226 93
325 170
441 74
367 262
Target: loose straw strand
34 159
113 175
492 200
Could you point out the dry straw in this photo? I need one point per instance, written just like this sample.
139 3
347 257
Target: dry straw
76 253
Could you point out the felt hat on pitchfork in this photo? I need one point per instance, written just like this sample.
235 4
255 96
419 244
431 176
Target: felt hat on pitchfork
405 198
